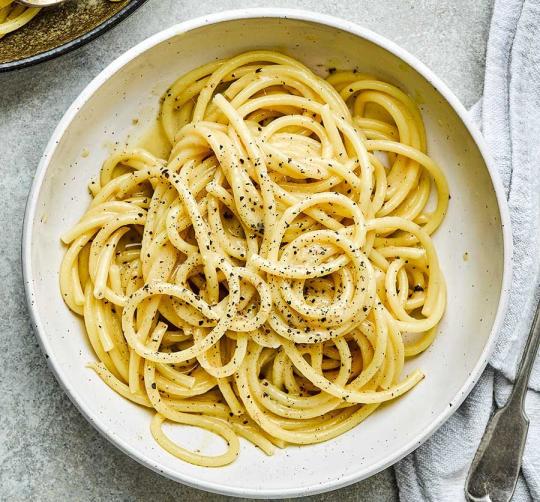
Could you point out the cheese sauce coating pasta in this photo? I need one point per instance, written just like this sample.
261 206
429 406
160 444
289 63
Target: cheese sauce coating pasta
269 277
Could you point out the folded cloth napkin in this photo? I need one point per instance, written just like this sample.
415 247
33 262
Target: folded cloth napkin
509 115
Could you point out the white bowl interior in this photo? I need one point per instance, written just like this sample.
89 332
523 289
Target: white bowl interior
472 226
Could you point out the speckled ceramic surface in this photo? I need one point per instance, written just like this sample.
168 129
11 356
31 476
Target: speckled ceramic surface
57 30
475 225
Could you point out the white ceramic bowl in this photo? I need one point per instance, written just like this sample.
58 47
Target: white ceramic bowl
476 227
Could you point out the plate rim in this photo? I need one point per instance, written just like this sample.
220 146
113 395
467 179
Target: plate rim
77 42
278 13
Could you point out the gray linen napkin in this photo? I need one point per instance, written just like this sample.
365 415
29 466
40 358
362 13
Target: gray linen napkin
509 115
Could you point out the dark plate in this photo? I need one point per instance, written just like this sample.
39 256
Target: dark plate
61 29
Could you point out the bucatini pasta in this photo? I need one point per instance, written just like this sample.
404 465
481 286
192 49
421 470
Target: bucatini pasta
269 277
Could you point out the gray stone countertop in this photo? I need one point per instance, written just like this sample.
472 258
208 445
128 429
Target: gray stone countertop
48 452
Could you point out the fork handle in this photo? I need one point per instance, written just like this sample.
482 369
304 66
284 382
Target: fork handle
527 361
495 469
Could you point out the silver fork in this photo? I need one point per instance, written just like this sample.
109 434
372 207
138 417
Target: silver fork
494 471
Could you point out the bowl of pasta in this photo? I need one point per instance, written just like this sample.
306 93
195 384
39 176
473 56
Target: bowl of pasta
30 35
266 253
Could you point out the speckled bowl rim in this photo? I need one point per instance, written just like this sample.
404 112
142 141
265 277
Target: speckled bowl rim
333 22
79 41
